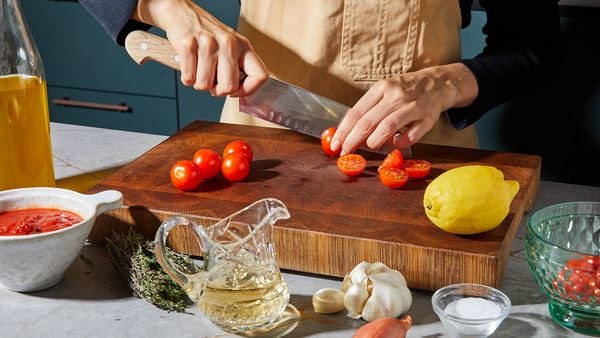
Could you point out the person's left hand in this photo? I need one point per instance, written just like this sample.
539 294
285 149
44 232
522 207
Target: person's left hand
413 100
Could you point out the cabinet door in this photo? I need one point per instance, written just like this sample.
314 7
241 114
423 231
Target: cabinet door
138 113
195 105
77 53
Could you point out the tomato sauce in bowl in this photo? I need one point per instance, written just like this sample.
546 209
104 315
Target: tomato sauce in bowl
35 221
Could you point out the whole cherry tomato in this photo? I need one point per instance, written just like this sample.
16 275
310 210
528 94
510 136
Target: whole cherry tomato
209 163
392 160
239 147
417 168
392 177
580 265
351 164
326 136
235 167
185 175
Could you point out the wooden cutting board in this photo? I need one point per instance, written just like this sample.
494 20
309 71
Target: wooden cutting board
336 221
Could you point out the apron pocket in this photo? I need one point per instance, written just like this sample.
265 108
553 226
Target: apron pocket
378 38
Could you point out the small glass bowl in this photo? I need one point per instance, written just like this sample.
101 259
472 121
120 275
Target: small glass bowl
465 327
563 253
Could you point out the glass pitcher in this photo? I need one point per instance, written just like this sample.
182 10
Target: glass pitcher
239 286
25 149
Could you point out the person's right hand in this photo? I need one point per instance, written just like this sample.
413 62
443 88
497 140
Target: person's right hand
211 53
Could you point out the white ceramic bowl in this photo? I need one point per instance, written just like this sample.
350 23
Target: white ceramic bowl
39 261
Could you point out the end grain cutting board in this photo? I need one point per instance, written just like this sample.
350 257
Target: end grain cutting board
336 221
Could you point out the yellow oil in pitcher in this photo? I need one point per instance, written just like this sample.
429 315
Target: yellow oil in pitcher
25 148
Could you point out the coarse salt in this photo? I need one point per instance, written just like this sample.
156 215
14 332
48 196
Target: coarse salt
473 308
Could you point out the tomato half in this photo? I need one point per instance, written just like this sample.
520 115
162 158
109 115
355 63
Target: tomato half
351 164
235 167
326 142
392 160
392 177
185 175
417 168
209 163
239 147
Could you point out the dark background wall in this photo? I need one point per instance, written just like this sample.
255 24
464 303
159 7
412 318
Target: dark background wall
561 121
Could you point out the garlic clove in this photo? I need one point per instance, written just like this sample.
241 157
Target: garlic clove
355 299
328 301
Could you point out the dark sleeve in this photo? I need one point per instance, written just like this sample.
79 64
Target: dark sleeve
523 51
114 16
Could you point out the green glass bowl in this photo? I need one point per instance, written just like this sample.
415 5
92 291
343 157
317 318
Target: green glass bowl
563 254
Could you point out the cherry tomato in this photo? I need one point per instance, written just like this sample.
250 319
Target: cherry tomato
209 163
393 177
235 167
580 264
417 168
239 147
392 160
185 175
351 164
326 142
594 260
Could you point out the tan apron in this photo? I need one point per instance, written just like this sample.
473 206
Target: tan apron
339 48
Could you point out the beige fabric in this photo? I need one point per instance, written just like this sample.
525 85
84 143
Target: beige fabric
339 48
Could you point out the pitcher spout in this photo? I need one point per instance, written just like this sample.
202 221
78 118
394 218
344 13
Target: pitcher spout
276 210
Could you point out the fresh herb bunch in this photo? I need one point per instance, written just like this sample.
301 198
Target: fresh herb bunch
135 259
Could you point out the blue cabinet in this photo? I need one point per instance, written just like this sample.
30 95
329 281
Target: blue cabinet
85 69
84 64
77 53
146 114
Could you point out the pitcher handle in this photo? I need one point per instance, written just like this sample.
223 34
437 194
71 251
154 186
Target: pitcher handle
160 244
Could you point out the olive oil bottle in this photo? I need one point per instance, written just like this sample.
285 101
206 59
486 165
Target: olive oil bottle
25 148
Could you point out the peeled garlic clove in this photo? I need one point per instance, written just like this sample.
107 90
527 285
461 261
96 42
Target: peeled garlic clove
328 301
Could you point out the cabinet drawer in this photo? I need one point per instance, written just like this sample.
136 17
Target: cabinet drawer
114 111
77 53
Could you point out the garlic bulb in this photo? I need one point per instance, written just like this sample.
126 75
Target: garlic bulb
374 291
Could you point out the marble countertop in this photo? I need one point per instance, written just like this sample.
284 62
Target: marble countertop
79 150
93 300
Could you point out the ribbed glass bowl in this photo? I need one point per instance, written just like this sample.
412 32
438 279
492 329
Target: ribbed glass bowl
563 254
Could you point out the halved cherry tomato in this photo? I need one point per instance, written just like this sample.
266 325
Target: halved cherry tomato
392 160
392 177
239 147
417 168
326 142
235 167
351 164
209 163
185 175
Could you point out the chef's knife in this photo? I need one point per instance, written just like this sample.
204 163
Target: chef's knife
275 101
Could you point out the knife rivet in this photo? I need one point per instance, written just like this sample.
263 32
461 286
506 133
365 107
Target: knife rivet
144 46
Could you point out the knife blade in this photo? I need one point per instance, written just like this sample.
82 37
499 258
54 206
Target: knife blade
275 101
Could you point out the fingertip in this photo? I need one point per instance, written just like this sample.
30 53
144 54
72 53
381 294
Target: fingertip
186 80
335 145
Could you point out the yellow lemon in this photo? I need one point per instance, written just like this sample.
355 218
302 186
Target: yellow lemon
470 199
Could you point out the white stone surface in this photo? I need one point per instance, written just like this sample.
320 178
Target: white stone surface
79 149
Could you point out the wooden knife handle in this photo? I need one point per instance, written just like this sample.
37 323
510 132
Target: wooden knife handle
143 46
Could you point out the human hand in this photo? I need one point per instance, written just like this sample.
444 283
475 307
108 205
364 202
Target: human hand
211 53
412 100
